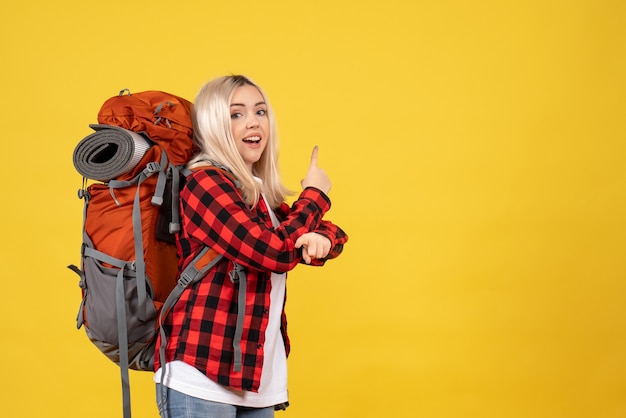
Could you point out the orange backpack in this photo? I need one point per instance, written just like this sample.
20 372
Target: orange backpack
129 265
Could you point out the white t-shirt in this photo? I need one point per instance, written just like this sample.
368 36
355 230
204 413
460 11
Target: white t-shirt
273 388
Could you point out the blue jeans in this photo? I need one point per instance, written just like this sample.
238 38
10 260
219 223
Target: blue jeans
179 405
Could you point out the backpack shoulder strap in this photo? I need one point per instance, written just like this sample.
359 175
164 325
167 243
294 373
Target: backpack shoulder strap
199 266
212 164
175 172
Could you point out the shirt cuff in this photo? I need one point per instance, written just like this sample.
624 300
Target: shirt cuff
319 197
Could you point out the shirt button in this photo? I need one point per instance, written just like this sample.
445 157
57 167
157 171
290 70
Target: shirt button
266 311
259 346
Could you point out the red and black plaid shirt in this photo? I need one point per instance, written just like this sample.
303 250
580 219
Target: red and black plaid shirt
201 327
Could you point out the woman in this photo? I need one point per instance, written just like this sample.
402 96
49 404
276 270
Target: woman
226 356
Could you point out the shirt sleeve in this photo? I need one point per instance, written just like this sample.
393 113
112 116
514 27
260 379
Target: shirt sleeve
334 233
214 213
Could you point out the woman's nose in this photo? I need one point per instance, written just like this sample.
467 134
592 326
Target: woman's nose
253 122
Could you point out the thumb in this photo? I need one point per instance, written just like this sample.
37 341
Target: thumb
314 156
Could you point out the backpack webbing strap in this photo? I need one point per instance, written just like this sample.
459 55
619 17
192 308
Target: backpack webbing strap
122 334
197 268
80 318
238 275
82 194
175 172
140 262
157 199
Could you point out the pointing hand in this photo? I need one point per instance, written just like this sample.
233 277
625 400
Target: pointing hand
315 176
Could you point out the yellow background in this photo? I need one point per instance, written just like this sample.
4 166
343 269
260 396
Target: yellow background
477 152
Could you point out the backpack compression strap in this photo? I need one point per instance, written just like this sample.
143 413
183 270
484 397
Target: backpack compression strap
157 199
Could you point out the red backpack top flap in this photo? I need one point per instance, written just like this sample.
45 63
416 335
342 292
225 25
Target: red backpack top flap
163 117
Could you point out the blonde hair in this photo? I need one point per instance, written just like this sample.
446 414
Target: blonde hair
213 136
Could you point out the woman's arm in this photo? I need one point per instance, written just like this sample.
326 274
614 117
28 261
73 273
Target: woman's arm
215 214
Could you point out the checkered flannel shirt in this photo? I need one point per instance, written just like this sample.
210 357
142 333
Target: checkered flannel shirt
201 327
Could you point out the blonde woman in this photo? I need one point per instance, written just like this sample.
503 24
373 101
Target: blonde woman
227 342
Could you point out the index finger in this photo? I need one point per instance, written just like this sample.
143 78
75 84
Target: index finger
314 156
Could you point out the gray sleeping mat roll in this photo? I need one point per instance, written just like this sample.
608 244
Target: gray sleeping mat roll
109 152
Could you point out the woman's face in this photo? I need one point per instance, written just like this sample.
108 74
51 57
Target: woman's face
250 124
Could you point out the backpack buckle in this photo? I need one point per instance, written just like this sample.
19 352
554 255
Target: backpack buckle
185 279
167 121
235 273
174 227
152 167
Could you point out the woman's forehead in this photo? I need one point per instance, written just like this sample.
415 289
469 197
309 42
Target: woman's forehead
246 94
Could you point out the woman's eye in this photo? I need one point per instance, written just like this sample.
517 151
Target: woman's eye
261 112
235 115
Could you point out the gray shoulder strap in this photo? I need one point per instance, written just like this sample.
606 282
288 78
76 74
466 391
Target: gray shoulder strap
195 271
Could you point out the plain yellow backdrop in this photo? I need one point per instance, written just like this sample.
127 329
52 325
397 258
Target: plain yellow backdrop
477 155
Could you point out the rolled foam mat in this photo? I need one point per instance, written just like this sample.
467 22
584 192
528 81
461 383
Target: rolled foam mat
109 152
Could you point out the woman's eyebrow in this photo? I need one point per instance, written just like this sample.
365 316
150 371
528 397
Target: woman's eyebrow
243 105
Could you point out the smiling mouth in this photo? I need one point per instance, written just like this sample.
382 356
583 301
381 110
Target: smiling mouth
252 140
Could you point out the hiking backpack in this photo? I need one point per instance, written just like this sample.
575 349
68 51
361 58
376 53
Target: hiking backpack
134 162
